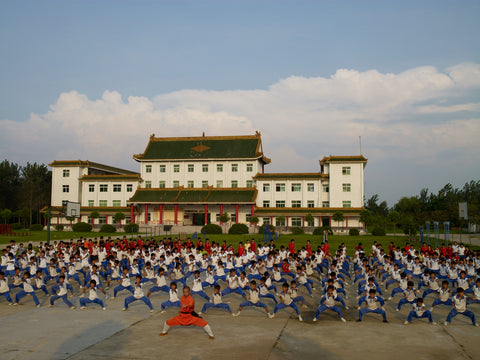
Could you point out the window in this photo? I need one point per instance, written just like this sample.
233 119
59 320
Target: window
148 168
117 187
129 187
346 187
296 203
66 188
248 217
279 222
310 187
297 221
66 173
266 203
280 203
217 218
102 203
249 167
249 183
176 168
190 184
234 183
219 183
162 168
91 203
117 203
219 167
234 167
325 203
310 203
346 170
296 187
325 188
347 203
311 223
148 184
266 187
279 187
205 167
176 183
233 218
103 188
191 168
266 221
101 220
161 184
91 188
204 183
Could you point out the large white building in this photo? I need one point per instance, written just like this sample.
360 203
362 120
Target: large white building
193 180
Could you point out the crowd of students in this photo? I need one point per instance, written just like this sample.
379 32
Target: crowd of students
256 274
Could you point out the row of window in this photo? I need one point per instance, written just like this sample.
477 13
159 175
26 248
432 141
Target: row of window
297 187
191 168
298 203
104 203
101 188
295 221
191 184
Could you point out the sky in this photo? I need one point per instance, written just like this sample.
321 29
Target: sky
92 80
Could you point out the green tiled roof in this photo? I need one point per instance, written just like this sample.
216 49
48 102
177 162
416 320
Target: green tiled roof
354 158
313 211
286 176
204 147
135 177
194 196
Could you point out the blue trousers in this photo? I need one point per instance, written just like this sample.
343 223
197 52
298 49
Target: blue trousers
222 277
202 294
131 299
164 288
403 302
397 290
299 298
23 293
84 301
207 284
249 303
63 297
237 290
467 313
307 285
283 306
390 282
77 279
426 314
322 308
169 303
119 288
270 296
209 305
428 291
7 296
440 302
365 310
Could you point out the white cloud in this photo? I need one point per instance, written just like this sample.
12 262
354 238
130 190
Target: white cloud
301 119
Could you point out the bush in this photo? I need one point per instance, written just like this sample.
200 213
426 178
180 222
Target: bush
320 230
353 232
82 227
270 227
59 227
378 231
211 229
17 226
296 230
238 229
36 227
107 228
131 228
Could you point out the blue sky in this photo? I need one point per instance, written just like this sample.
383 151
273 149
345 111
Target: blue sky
402 74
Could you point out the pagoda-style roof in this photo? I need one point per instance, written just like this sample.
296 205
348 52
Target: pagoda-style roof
204 147
352 158
195 196
135 177
291 176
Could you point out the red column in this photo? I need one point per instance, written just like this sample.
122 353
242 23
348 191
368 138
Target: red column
221 212
45 222
319 221
161 213
146 213
70 223
286 221
303 222
106 218
236 214
206 214
346 221
132 216
330 221
92 223
58 220
263 168
175 209
253 210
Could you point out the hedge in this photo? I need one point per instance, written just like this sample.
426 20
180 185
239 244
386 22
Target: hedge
107 228
82 227
59 227
238 229
353 232
17 226
378 232
296 230
36 227
270 227
131 228
320 230
211 229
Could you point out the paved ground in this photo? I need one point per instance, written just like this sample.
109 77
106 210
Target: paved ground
61 333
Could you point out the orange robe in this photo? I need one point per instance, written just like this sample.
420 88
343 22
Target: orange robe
185 317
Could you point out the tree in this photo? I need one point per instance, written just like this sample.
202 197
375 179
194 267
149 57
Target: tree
118 217
70 218
254 220
280 220
338 217
94 215
309 219
366 217
35 188
5 215
9 185
22 216
224 218
394 218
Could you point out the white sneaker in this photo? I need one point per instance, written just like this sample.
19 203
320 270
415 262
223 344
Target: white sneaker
124 309
104 308
106 297
151 311
346 308
397 309
433 323
38 305
162 312
15 304
315 319
343 320
270 316
305 306
445 323
358 308
83 307
237 314
406 322
73 307
300 318
51 305
200 313
476 324
390 298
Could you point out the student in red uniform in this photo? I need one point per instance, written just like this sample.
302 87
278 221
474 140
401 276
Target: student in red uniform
291 247
187 315
241 249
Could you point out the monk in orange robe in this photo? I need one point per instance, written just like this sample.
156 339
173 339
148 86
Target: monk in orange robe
185 317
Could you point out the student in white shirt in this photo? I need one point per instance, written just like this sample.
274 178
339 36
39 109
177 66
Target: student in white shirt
254 300
328 303
419 312
460 307
371 306
160 283
197 286
173 299
4 289
286 301
61 290
217 301
233 285
27 289
92 296
124 284
138 294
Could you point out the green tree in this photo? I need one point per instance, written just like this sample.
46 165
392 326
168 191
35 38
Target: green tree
309 219
118 217
394 218
254 220
9 185
280 220
366 217
94 215
35 188
22 216
224 219
338 217
6 215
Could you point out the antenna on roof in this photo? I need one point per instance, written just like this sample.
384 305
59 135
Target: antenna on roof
360 140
